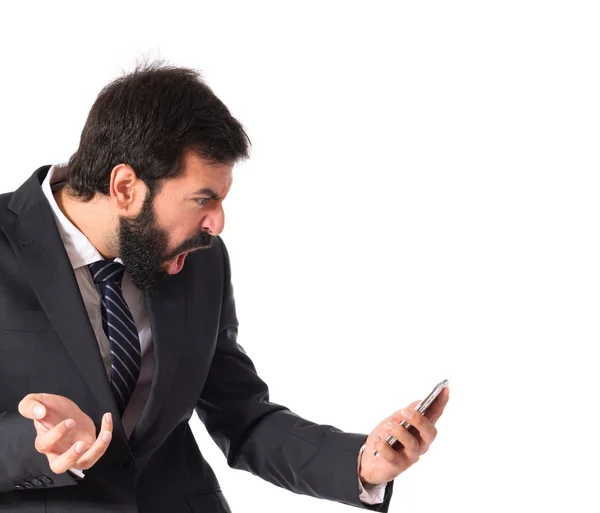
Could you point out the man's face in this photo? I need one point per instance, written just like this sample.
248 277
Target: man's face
182 217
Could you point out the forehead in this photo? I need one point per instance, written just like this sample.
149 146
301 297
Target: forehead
198 174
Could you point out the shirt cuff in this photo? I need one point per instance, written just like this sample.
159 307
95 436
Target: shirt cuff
77 472
368 493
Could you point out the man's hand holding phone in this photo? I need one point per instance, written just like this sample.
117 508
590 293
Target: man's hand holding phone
65 434
382 461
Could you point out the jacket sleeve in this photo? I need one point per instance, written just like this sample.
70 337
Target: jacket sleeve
22 468
267 439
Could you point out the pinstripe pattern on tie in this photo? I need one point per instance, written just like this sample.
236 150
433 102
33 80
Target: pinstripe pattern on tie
120 330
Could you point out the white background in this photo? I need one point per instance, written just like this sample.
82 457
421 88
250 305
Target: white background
421 203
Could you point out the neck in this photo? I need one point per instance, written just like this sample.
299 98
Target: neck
92 218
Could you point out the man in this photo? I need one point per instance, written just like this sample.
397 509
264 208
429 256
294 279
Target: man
117 321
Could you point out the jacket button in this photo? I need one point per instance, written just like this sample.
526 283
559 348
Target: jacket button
19 487
126 464
45 479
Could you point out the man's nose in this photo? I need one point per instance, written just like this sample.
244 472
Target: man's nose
214 221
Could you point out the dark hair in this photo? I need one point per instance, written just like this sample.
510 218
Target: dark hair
149 119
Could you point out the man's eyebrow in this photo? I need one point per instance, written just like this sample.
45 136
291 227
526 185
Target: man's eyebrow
207 191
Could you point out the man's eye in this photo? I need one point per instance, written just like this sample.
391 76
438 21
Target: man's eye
203 201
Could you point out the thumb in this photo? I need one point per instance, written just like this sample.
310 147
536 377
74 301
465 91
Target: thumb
32 407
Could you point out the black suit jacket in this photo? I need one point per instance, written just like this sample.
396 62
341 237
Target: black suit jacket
47 345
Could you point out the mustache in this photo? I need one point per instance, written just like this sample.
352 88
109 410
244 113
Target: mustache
201 240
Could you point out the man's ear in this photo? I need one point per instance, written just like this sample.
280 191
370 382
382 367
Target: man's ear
126 190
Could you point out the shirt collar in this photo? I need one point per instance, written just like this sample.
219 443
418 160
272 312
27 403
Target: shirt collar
79 248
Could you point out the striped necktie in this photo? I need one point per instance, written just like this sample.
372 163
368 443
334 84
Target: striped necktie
120 329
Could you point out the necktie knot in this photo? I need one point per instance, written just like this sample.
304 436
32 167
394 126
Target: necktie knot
107 271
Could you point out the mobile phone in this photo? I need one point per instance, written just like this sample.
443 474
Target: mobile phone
421 408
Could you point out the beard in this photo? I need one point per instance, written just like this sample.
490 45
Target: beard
144 246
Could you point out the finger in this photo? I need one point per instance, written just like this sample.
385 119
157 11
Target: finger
45 443
425 430
40 428
62 463
397 459
410 442
397 417
36 407
31 407
437 408
98 448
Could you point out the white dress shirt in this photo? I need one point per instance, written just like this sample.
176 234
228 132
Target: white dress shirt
81 253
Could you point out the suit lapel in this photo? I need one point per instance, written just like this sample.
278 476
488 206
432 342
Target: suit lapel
173 310
166 310
36 242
